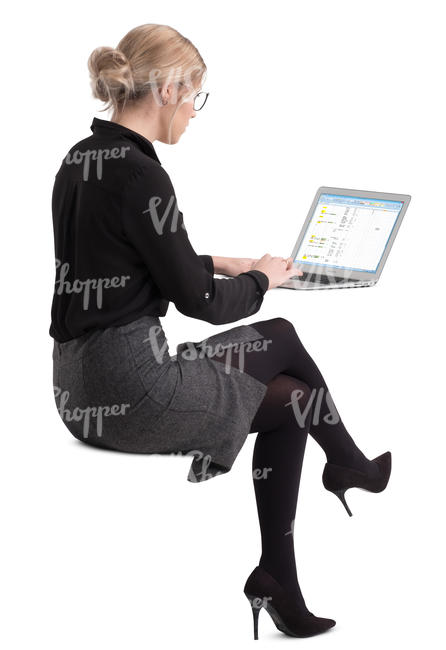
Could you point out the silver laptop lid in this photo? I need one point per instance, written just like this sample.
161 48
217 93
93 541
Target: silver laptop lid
349 233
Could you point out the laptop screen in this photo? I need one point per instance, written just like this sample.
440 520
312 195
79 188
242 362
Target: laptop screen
348 232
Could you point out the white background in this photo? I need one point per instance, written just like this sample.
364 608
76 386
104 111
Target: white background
105 551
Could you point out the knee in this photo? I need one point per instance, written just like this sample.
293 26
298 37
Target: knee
282 322
285 328
282 327
278 327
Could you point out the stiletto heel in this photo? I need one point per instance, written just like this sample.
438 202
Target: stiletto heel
263 590
255 613
338 479
341 495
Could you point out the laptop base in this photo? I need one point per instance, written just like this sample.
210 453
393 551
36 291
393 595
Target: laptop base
300 285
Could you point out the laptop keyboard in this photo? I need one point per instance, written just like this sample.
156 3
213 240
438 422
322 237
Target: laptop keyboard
320 279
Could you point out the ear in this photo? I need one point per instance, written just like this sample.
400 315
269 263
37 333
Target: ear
163 95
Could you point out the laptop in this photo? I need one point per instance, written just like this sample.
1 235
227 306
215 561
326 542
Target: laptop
346 238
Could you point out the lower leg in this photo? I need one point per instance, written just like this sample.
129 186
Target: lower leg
277 465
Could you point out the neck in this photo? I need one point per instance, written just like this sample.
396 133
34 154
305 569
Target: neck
142 121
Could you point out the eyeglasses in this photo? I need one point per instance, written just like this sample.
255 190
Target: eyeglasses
199 99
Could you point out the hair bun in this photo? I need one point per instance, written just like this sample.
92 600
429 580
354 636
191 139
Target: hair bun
110 73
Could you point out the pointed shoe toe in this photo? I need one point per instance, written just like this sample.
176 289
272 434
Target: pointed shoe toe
338 479
263 590
385 465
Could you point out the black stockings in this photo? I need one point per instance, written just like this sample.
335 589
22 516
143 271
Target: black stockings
297 402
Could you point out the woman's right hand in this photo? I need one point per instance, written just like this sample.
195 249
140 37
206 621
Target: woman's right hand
278 269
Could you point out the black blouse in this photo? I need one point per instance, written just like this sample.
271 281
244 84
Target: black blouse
121 246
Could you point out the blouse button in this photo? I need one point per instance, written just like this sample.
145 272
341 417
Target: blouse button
206 295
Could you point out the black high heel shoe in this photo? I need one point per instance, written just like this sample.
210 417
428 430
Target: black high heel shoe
338 479
263 590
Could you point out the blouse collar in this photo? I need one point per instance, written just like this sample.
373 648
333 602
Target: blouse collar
106 127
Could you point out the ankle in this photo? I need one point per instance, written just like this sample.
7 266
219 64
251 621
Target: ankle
287 579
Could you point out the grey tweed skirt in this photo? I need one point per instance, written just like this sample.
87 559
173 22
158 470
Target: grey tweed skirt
119 388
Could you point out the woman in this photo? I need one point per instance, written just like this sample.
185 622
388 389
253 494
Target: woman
122 253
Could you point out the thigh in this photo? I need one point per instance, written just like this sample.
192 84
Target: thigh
266 357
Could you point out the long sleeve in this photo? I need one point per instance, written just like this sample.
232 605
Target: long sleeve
153 224
208 262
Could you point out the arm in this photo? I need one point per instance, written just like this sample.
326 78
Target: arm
231 266
154 226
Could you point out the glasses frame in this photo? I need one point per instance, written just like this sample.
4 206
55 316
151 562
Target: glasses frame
201 92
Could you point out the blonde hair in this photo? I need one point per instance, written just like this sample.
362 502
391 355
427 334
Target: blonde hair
147 58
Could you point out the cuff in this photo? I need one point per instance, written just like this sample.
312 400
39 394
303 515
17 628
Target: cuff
261 279
208 263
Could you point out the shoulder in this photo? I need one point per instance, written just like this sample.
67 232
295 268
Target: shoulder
112 164
147 180
148 173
